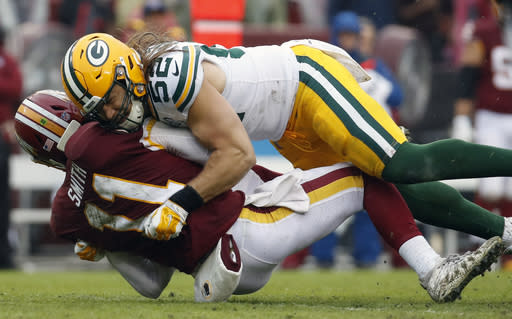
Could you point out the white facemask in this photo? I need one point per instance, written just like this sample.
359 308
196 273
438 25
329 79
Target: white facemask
135 118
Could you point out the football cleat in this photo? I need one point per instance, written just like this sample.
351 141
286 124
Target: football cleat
447 280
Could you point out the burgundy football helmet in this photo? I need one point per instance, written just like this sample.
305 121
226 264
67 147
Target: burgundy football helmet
39 123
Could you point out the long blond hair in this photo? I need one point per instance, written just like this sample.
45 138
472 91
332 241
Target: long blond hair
151 45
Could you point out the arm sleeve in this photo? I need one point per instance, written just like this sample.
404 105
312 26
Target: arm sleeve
177 141
147 277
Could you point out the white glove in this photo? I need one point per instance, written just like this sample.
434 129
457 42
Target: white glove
165 222
86 251
462 128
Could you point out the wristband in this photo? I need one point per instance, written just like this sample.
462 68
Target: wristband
188 198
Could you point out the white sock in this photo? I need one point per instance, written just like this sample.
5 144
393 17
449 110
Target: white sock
419 255
507 232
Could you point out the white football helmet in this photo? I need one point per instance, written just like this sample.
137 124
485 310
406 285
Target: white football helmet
39 124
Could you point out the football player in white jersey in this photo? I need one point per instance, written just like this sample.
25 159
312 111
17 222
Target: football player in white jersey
302 95
296 208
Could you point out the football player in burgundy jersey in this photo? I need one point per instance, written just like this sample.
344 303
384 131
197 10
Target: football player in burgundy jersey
116 181
485 97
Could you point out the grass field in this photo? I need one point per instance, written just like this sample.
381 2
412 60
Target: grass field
289 295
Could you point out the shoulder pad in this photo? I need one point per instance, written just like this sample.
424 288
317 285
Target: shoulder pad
177 77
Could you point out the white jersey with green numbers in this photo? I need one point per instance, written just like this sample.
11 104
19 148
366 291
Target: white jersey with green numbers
261 83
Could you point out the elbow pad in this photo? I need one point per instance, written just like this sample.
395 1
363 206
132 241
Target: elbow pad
218 276
467 81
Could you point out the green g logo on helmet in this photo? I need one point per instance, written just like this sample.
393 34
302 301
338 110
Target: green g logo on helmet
93 64
97 52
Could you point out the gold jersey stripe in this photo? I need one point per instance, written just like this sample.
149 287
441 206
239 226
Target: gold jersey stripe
265 218
41 120
335 187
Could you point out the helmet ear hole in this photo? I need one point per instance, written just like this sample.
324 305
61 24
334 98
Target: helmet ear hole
39 139
58 107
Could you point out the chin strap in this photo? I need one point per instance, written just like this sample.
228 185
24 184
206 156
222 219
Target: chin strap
70 130
134 120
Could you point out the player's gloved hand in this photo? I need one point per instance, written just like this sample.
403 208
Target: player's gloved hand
462 128
86 251
166 221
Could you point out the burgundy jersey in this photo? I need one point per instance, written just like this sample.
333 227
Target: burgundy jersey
112 182
11 85
495 86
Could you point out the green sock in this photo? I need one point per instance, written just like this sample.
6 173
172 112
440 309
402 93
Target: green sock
446 159
438 204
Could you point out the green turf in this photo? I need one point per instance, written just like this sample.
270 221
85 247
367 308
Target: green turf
289 295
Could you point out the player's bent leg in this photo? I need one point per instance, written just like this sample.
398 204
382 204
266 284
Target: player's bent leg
438 204
266 236
331 107
443 278
389 212
447 280
255 274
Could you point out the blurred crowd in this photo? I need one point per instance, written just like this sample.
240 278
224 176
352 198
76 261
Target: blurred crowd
411 48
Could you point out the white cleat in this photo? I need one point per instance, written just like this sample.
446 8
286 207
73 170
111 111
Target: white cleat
447 280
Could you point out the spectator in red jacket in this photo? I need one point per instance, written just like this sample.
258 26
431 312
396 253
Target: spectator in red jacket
10 96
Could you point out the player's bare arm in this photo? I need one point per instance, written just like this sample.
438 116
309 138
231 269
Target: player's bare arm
214 122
